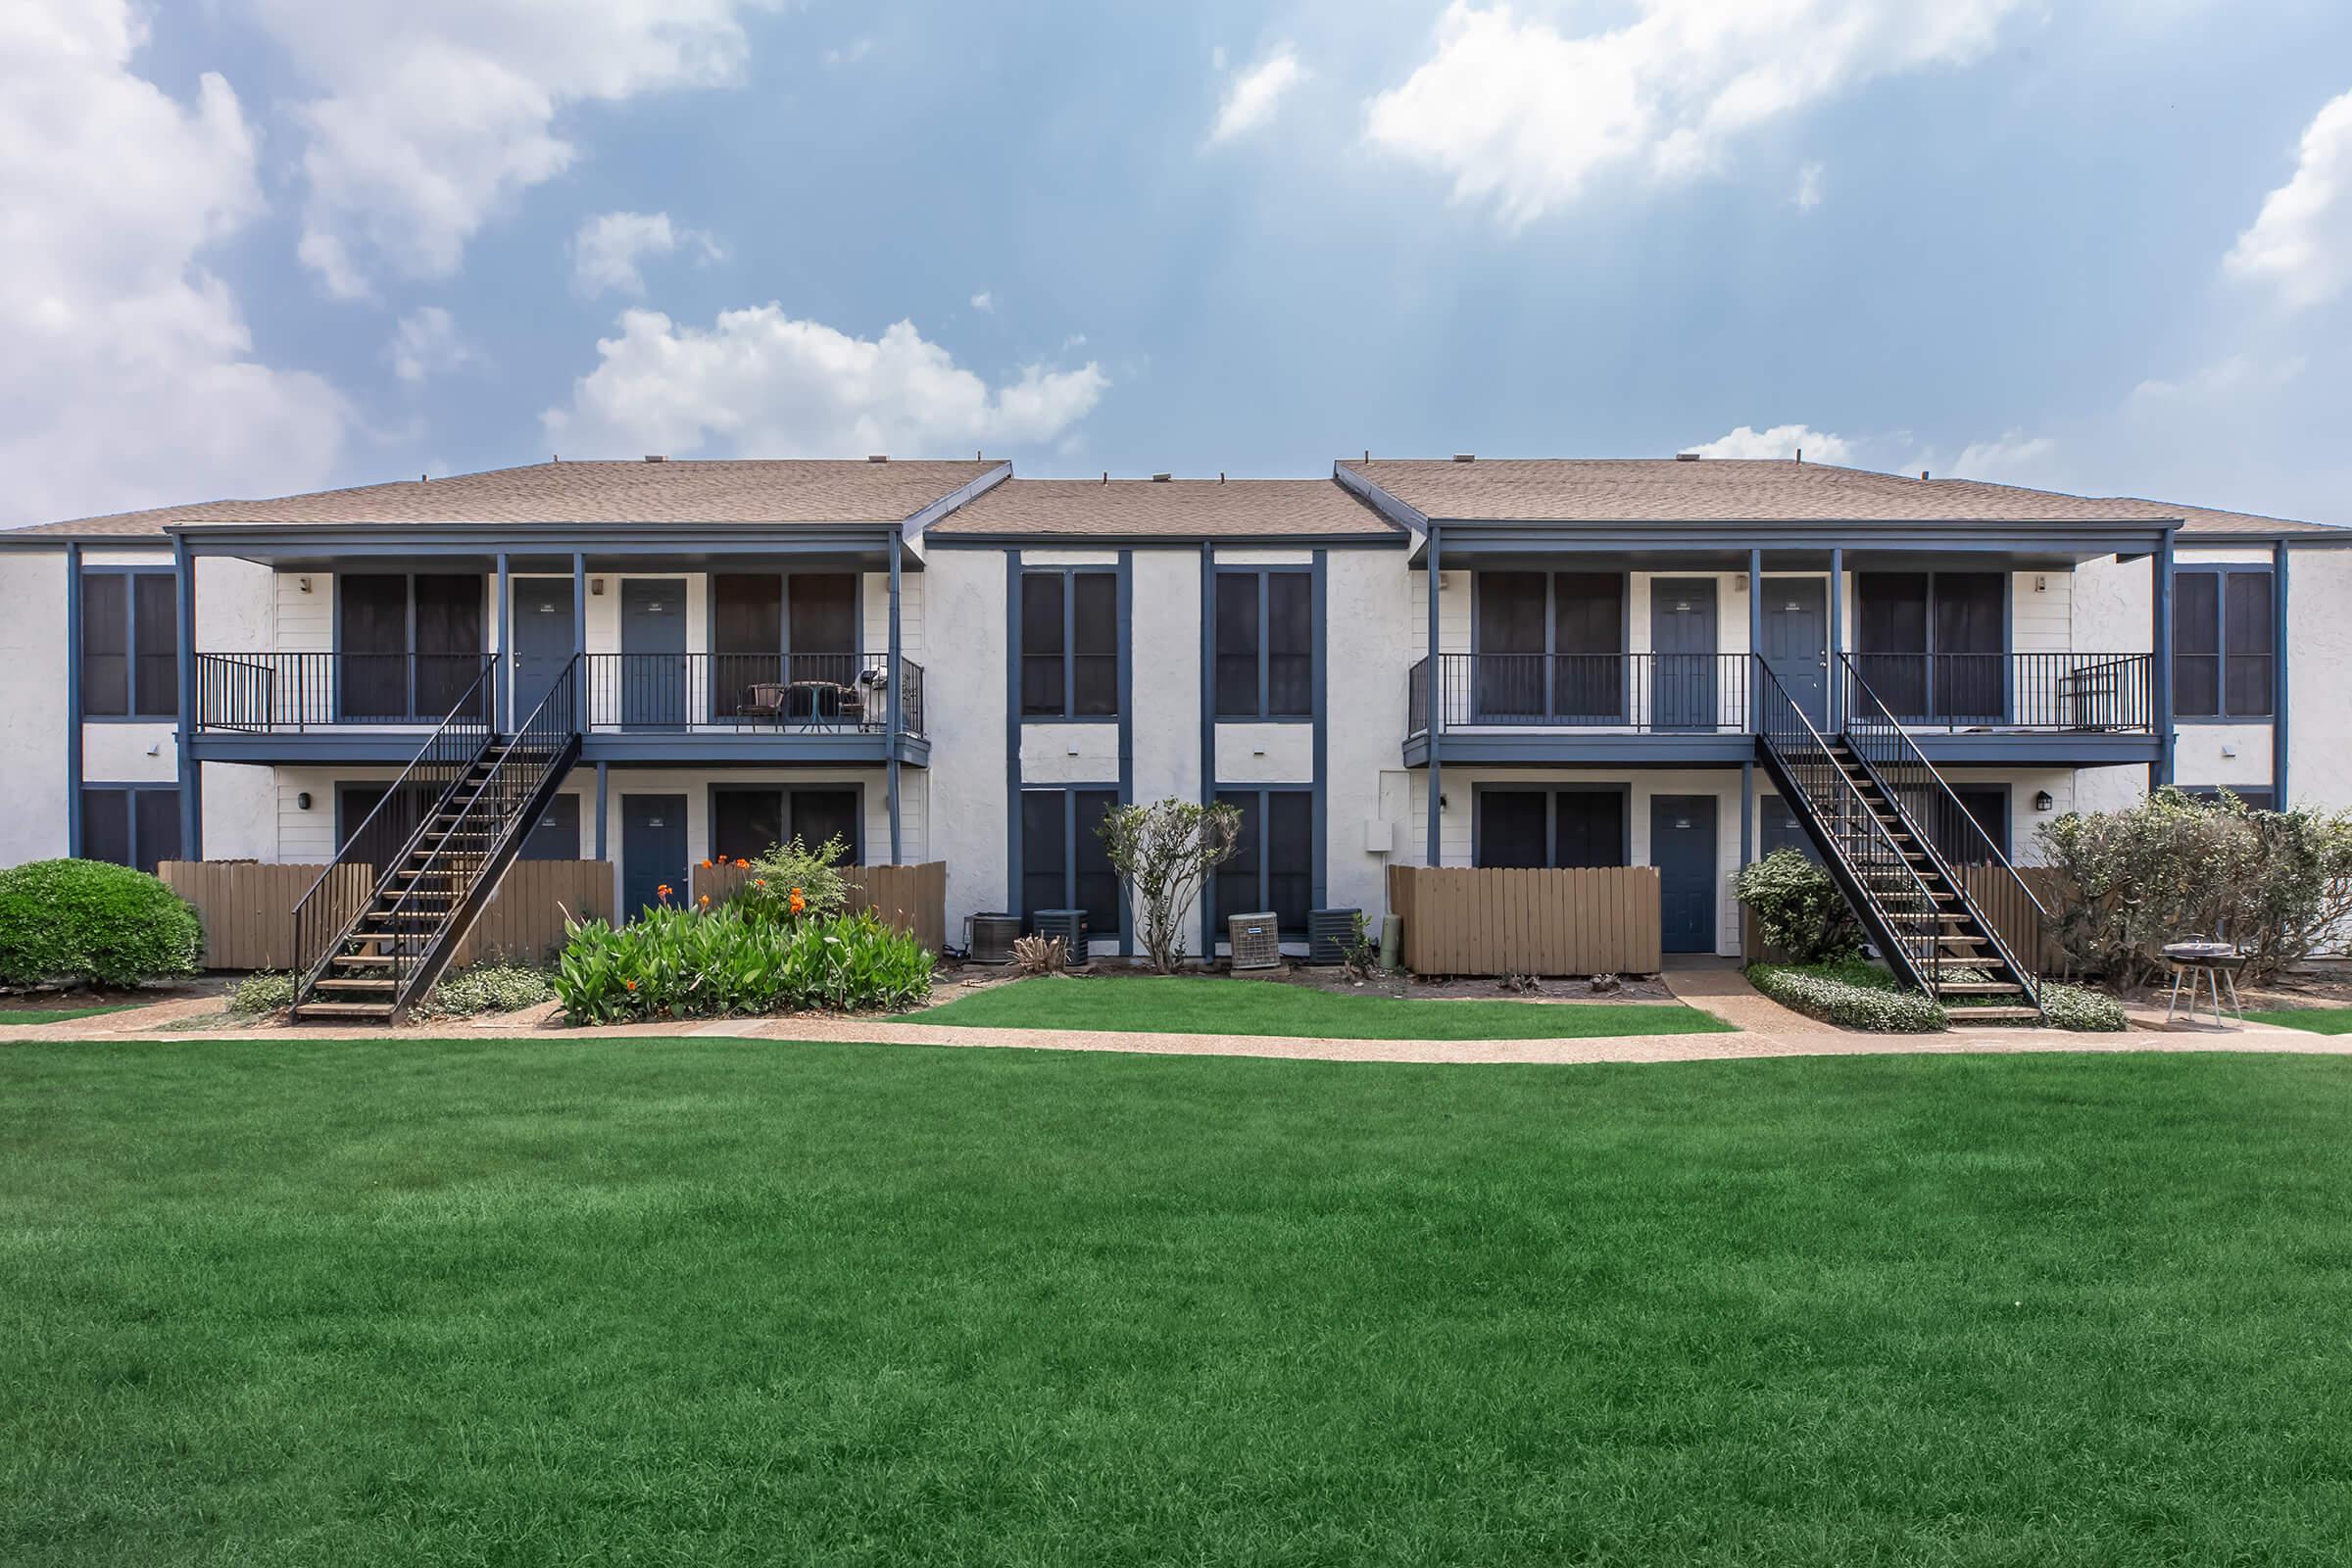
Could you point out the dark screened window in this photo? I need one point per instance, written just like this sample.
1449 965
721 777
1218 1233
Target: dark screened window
2223 626
1265 644
1070 644
1930 644
747 820
1273 866
129 645
1064 865
2254 799
131 825
1536 828
1987 806
411 645
1550 644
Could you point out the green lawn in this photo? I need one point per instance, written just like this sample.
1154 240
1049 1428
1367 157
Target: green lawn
630 1302
2312 1020
1177 1005
30 1015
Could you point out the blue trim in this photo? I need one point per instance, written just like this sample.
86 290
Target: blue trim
579 609
1319 630
897 686
1208 732
192 771
1126 732
130 643
395 743
1259 790
1013 733
74 737
1262 570
2160 769
603 795
502 693
1436 727
1836 612
2279 676
1756 629
1047 539
1748 812
680 544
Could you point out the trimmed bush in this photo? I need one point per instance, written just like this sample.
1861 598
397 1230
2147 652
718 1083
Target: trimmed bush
86 922
1852 995
1798 910
491 988
733 962
262 991
2087 1011
793 882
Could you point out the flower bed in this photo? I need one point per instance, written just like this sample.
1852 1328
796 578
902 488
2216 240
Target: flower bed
737 960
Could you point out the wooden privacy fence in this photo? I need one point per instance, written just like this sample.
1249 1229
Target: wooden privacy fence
248 908
1595 920
912 899
2021 925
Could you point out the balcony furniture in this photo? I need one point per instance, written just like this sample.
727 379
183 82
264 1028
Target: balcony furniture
2210 965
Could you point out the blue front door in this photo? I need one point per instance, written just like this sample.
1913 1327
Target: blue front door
653 652
653 851
542 640
1682 630
1682 846
1796 646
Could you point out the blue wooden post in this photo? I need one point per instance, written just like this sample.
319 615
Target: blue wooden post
1755 633
502 693
601 782
582 688
898 721
73 700
1437 716
2160 772
2279 676
1836 669
191 772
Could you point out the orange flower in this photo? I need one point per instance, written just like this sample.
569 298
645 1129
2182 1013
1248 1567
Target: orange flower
759 881
706 866
705 901
742 865
798 904
628 985
662 890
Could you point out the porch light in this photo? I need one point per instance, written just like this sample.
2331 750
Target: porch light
596 586
302 584
2043 801
302 800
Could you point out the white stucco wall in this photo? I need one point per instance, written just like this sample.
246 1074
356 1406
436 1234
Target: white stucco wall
1168 674
2319 674
1068 753
1365 593
34 725
1265 754
965 696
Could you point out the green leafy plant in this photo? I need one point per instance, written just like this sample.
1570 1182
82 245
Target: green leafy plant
2082 1009
1360 955
1164 854
737 961
86 922
2279 884
793 882
1850 994
262 991
501 987
1798 910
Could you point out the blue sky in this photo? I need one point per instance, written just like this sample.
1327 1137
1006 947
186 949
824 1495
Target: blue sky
266 245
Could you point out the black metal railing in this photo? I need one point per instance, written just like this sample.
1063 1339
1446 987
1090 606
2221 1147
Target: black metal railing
291 693
381 841
2099 693
1895 894
1948 831
1644 693
820 692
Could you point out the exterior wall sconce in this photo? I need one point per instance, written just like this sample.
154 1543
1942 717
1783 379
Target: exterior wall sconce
302 801
596 586
302 584
2043 802
2041 585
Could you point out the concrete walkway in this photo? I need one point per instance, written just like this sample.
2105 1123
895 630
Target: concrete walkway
1767 1029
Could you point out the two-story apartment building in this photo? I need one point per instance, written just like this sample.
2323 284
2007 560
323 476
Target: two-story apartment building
1460 663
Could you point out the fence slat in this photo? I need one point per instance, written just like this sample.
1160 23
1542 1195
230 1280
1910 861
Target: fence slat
1587 920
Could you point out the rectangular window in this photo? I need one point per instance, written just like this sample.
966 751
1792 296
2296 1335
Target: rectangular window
130 824
1070 644
129 645
1987 808
1273 866
1531 829
1550 645
411 646
747 820
1064 865
2222 652
1264 648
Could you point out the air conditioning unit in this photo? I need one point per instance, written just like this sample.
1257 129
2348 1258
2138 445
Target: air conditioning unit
1070 926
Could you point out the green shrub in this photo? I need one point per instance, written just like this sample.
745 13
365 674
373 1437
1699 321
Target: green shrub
734 960
789 869
491 988
86 922
1851 995
262 991
1798 910
2083 1010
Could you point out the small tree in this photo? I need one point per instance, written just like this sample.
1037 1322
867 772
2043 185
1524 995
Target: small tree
1164 854
1798 908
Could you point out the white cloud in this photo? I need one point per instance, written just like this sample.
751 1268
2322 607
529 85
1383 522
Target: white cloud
427 343
2301 243
1782 441
849 54
607 250
761 383
430 116
984 301
2014 457
1808 189
1255 94
128 378
1525 116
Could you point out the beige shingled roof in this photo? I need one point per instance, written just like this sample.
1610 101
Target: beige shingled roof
1662 490
1172 508
2202 522
750 491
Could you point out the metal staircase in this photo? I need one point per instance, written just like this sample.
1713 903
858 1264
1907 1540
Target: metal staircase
1878 811
381 922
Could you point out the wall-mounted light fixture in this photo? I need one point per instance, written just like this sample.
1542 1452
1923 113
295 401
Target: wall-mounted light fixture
2043 801
2041 585
303 584
302 801
596 585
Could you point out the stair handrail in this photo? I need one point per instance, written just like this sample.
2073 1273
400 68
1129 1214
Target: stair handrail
1885 729
455 742
542 737
1854 806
